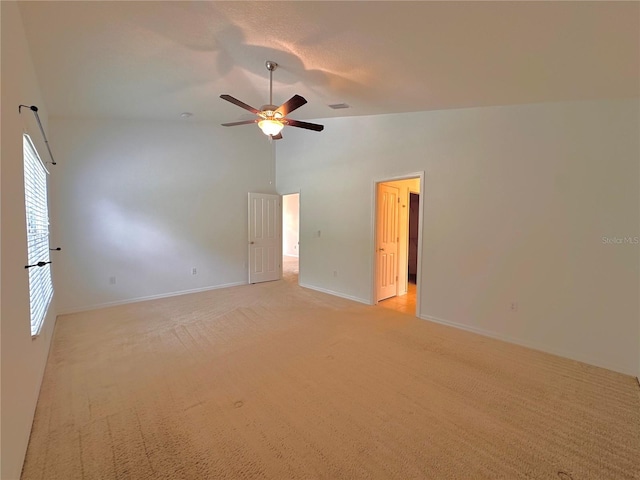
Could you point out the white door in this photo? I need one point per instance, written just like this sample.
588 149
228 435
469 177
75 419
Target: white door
265 237
387 242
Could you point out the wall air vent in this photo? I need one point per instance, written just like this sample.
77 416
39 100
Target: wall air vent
338 106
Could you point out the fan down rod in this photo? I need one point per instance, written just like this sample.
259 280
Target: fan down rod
271 66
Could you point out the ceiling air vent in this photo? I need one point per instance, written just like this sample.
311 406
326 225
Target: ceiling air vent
338 106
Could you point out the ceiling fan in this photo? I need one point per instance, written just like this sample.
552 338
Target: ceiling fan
272 119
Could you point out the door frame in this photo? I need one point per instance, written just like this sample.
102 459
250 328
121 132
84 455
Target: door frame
374 224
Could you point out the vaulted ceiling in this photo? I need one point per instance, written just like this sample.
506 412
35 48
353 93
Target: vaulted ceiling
156 59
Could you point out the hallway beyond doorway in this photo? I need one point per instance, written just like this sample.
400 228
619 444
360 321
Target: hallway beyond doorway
290 268
290 236
402 303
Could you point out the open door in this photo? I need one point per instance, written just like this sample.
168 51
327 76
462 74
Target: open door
387 242
265 237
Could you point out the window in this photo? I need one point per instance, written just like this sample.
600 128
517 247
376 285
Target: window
35 194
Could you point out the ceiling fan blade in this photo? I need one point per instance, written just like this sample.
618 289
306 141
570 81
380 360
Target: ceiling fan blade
307 125
290 105
277 137
244 122
237 102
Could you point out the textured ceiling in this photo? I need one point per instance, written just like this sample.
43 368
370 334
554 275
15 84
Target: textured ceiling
157 59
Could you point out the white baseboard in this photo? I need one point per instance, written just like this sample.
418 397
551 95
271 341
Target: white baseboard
532 345
144 299
336 294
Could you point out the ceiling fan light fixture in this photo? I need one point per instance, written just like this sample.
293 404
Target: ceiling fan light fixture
270 126
272 119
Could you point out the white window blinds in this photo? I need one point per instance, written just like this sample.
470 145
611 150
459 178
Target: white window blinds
35 193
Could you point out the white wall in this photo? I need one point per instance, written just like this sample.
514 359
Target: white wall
23 358
145 202
517 202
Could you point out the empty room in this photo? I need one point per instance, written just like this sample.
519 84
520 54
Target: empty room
320 240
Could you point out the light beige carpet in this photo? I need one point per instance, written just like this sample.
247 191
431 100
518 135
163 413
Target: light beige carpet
273 381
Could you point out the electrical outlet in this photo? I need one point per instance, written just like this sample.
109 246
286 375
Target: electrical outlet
335 273
194 271
112 280
514 306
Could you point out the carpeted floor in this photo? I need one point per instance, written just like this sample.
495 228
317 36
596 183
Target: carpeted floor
273 381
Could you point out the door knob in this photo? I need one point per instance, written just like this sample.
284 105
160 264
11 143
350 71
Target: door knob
251 243
382 249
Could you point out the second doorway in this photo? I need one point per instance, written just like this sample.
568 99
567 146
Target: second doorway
397 244
291 237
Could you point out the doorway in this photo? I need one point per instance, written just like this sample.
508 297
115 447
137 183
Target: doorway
291 237
397 243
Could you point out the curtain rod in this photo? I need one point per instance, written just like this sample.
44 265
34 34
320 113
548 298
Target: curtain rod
34 109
